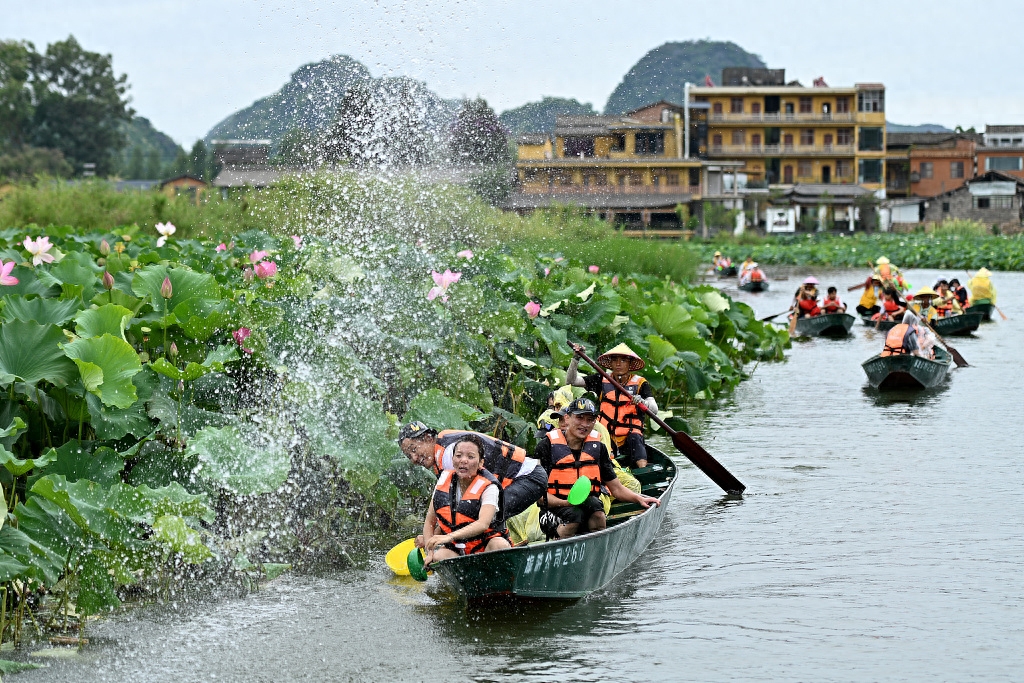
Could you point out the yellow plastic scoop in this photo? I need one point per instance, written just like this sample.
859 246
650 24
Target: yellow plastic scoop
397 557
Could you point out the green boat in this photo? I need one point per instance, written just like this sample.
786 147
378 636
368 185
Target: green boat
755 286
954 325
983 306
884 325
825 325
572 567
907 371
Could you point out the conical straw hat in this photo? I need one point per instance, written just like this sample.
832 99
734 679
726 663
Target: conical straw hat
621 350
984 272
881 261
925 291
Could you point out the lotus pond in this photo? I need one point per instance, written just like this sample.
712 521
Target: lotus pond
178 412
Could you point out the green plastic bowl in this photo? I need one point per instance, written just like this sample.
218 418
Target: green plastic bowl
580 491
415 562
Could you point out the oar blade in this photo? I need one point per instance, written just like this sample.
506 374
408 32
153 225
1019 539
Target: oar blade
960 361
707 464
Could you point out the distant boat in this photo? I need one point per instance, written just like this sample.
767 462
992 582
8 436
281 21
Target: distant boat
755 286
570 567
728 271
983 306
825 325
883 325
962 324
907 371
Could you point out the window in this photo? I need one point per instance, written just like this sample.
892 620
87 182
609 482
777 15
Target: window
842 105
620 180
806 105
694 177
564 178
578 147
755 140
945 207
871 139
827 141
672 179
716 108
787 140
927 170
956 169
1004 202
1002 163
844 136
869 171
981 202
826 108
843 168
618 143
871 100
787 175
789 107
755 108
804 168
716 140
598 179
738 137
736 105
807 137
649 143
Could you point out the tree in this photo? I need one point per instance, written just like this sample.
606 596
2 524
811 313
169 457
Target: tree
79 104
298 149
26 163
154 169
477 136
15 95
539 117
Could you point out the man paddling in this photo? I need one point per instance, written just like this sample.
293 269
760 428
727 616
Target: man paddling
522 478
573 452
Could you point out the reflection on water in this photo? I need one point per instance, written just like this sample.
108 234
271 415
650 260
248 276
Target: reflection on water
879 540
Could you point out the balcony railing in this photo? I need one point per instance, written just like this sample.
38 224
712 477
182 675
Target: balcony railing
781 118
897 184
536 188
781 150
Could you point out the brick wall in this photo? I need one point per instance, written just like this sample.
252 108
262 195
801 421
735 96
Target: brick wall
961 206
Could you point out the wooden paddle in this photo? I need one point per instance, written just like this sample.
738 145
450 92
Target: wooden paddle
770 317
960 361
682 441
1001 314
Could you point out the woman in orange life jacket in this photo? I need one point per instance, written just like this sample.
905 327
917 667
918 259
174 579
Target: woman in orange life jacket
572 452
909 337
463 517
946 304
891 306
522 479
807 299
959 291
620 413
832 303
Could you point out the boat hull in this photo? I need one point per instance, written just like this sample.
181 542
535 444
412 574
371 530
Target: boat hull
954 325
825 325
567 568
984 307
731 271
907 371
758 286
883 325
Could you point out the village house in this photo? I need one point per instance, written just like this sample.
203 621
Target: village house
1003 150
927 164
993 198
244 163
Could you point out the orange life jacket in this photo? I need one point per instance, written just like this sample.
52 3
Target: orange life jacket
454 517
618 414
756 275
809 307
891 306
567 467
831 305
894 340
501 458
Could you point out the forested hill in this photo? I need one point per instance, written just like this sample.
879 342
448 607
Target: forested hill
307 101
539 117
660 74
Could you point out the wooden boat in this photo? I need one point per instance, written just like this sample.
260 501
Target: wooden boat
884 325
825 325
755 286
983 306
571 567
962 324
907 371
730 271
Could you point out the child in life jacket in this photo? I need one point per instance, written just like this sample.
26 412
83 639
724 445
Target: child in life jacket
891 306
832 303
620 413
959 291
945 304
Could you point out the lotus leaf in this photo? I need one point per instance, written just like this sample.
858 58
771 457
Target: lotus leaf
78 269
186 286
111 423
659 351
29 352
441 412
40 562
96 587
555 339
42 311
74 461
172 531
236 461
107 319
107 365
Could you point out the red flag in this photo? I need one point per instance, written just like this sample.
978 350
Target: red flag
708 82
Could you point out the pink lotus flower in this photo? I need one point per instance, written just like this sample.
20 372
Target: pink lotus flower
297 239
594 269
265 269
222 247
547 271
5 273
240 335
108 280
615 281
443 281
166 230
559 259
532 309
166 290
257 256
248 275
38 248
104 247
466 254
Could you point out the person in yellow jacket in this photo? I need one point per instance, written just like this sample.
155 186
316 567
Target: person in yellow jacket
981 287
868 304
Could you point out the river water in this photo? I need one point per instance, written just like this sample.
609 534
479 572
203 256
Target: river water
879 539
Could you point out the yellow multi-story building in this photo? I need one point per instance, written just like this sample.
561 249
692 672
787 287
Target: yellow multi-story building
791 134
630 168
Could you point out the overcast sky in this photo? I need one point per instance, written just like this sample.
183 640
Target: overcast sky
192 63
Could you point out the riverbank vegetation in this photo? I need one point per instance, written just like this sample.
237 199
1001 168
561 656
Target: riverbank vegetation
957 245
178 410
